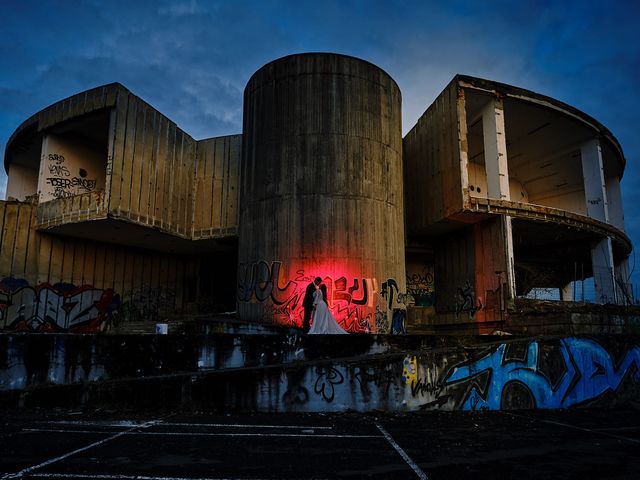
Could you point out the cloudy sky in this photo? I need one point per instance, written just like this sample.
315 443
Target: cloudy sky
191 59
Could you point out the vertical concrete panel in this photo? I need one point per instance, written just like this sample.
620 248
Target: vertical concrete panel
57 258
151 155
168 190
100 267
33 249
492 269
88 272
68 257
128 158
200 174
146 145
22 181
134 167
179 180
115 169
614 200
594 184
216 186
322 191
161 167
495 150
455 271
432 163
596 195
188 187
119 261
235 154
45 248
78 263
8 239
23 231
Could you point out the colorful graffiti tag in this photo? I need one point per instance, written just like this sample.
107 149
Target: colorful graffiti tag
589 371
356 303
420 285
54 308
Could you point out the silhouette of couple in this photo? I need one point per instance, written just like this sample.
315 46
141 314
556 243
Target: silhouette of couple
315 304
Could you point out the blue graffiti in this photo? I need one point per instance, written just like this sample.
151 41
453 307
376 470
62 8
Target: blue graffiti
589 372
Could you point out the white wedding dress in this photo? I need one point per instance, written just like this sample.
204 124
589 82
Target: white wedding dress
323 322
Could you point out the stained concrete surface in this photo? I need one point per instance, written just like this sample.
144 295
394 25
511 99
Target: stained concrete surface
436 445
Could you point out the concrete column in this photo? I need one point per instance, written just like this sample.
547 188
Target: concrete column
495 164
595 192
603 274
511 276
566 293
614 202
623 283
495 150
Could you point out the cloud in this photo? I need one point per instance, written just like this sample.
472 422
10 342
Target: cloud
180 9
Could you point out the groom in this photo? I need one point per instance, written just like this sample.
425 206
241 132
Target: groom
307 303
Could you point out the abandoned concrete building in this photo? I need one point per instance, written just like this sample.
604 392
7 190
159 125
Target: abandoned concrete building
114 213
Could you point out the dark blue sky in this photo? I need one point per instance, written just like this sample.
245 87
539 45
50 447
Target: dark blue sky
192 59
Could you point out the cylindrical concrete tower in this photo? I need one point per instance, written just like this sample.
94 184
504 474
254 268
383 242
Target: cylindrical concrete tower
321 191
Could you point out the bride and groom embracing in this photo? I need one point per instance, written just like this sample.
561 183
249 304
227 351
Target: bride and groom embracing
315 303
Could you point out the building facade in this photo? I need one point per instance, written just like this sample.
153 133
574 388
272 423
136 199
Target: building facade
113 213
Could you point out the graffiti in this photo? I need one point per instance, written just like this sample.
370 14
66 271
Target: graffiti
64 183
398 326
61 193
425 387
383 379
387 291
59 170
146 304
382 318
465 301
348 300
326 382
51 308
397 311
409 370
420 286
62 186
589 371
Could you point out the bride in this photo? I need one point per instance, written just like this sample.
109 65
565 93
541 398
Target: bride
323 321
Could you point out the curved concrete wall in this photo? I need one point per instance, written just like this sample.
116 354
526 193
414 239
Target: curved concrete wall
322 191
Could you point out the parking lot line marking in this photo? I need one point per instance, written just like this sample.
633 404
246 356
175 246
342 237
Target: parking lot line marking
119 477
114 423
617 429
203 434
403 454
239 425
575 427
27 470
126 423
